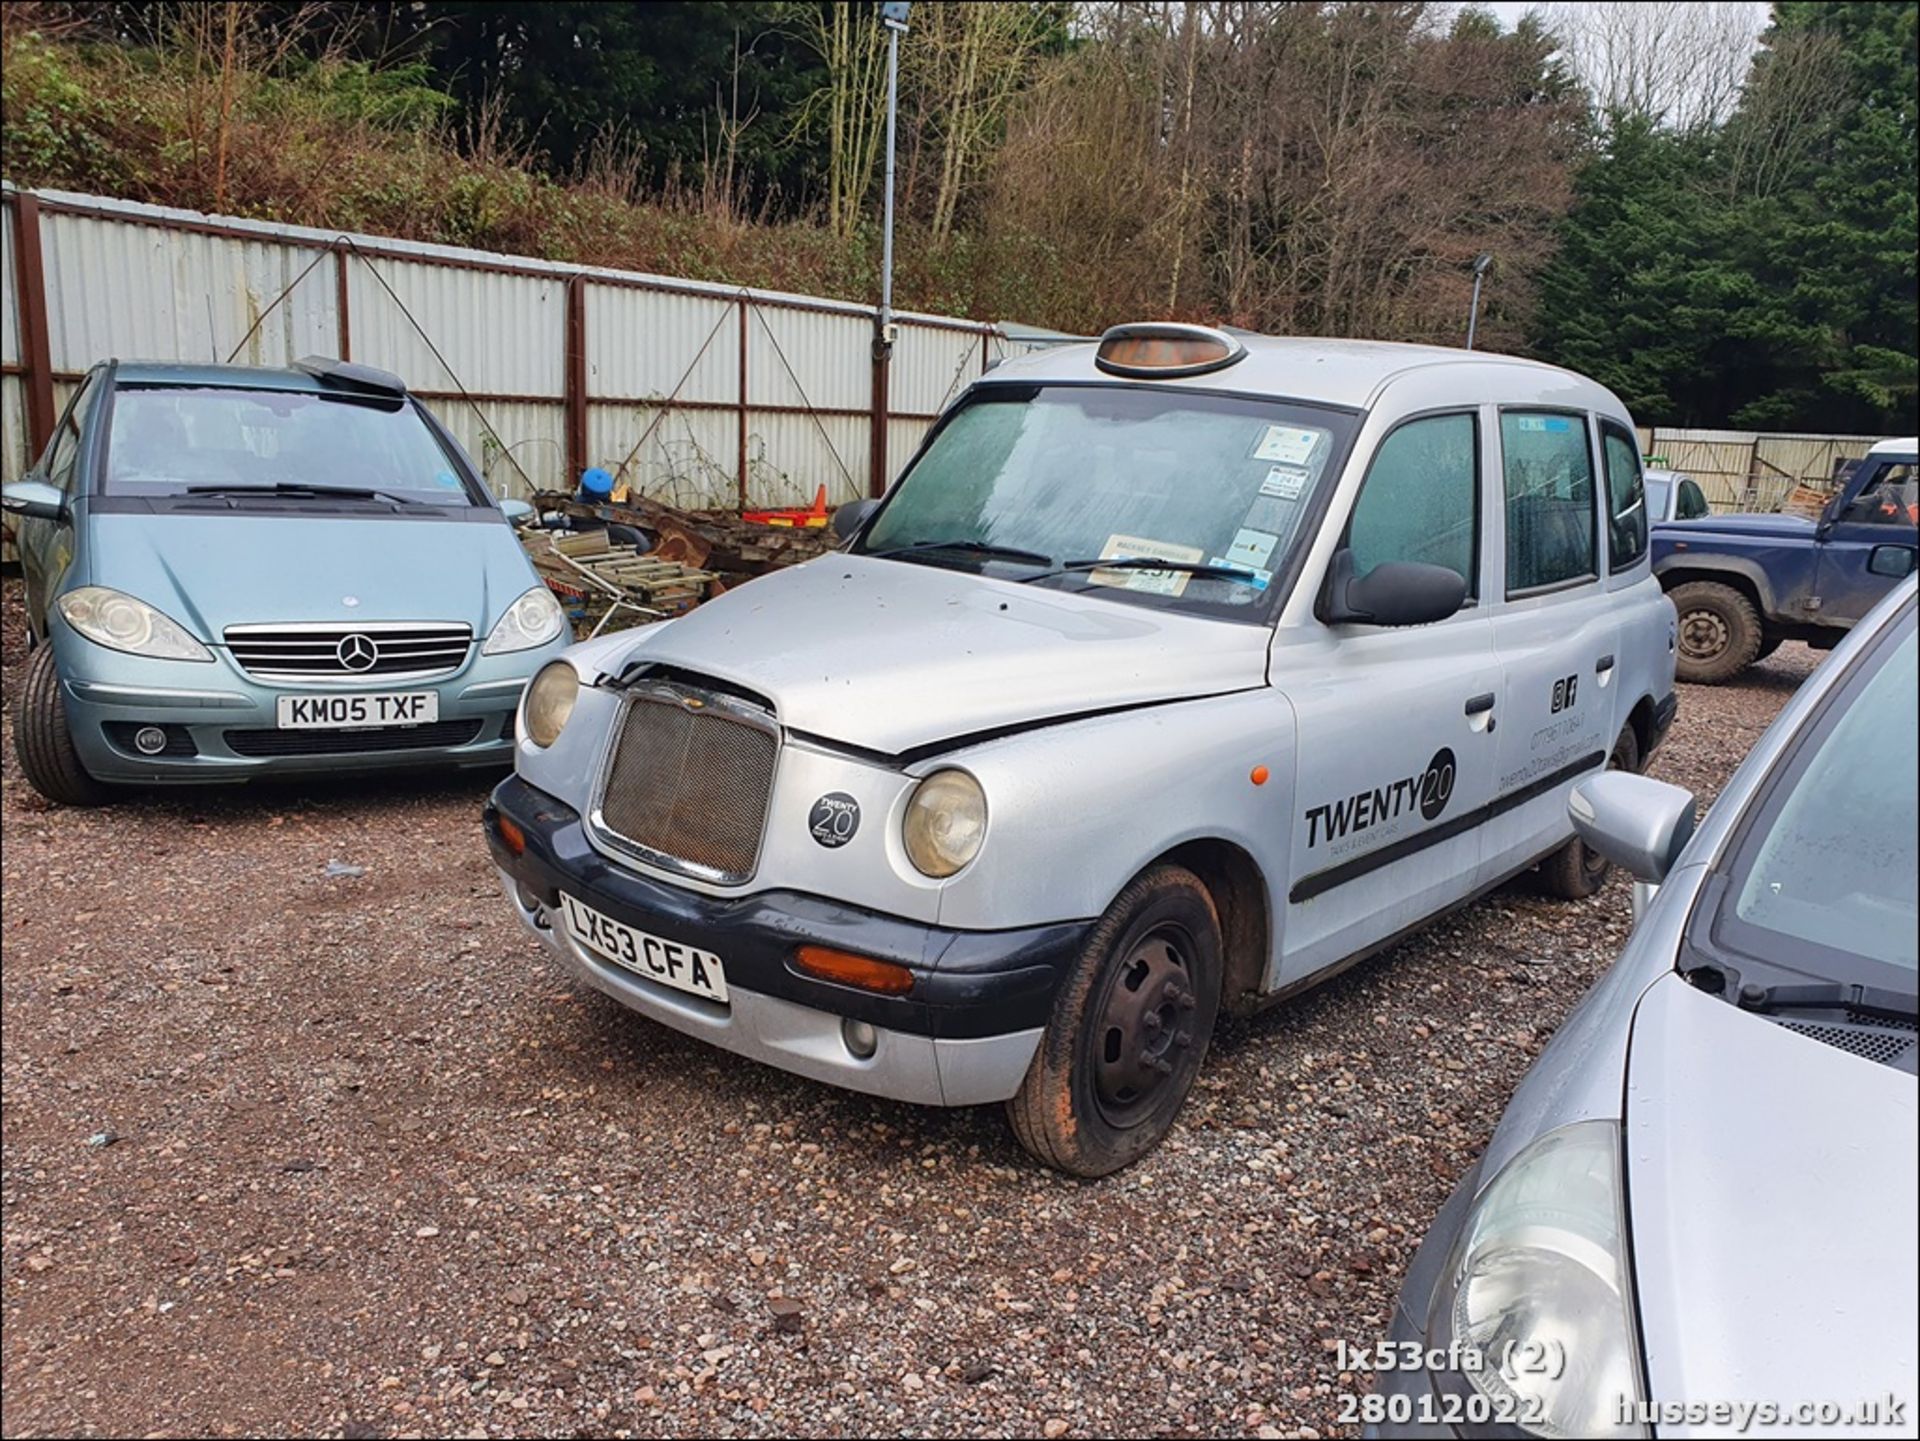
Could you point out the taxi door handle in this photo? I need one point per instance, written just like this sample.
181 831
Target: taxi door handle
1480 704
1603 665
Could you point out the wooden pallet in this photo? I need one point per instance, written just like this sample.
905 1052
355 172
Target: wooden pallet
610 586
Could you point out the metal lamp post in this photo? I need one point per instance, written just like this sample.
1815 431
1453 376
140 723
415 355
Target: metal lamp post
894 17
1473 313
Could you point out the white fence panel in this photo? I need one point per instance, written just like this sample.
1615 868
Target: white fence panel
502 334
649 344
141 292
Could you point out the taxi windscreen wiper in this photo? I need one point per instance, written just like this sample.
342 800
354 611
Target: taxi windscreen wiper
1147 562
968 547
303 492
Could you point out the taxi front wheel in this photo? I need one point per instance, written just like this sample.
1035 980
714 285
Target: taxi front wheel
1129 1029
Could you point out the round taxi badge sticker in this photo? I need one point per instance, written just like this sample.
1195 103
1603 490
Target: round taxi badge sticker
833 819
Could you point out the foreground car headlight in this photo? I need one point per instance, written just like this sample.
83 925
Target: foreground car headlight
1537 1291
945 822
119 622
549 703
532 620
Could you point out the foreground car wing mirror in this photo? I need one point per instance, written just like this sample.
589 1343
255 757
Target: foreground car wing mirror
850 517
517 511
34 500
1639 824
1395 592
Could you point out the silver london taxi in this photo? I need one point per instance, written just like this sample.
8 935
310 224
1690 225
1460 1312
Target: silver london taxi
1176 672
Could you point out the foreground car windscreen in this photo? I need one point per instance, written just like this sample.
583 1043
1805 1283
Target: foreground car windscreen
1199 498
178 441
1823 887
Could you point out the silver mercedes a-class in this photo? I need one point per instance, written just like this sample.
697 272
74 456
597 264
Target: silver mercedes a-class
1698 1215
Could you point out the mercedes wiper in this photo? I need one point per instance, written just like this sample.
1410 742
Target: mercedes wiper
1146 562
303 492
968 547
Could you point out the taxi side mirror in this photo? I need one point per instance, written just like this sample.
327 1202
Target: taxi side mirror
850 517
1394 592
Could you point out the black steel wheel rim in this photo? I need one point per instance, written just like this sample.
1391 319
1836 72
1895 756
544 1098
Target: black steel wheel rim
1144 1030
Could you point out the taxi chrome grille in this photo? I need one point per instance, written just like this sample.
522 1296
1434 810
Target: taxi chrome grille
346 652
688 780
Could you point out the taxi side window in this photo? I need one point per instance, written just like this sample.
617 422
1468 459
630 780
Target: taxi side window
1626 495
1549 478
1691 503
1420 500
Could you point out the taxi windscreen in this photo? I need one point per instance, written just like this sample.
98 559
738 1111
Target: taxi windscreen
1042 483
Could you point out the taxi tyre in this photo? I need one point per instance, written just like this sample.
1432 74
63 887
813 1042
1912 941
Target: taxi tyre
44 744
1162 931
1726 610
1576 870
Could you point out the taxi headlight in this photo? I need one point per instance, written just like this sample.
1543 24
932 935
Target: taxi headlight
1536 1297
945 822
119 622
532 620
549 703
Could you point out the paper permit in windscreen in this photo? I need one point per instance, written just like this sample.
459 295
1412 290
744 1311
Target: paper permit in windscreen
1154 582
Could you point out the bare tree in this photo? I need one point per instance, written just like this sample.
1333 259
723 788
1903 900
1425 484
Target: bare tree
1677 65
1783 111
851 102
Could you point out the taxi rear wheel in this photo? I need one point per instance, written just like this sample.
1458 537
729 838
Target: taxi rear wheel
1577 870
1129 1029
42 741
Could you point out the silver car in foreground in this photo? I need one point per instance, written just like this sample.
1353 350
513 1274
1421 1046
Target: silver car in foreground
1698 1215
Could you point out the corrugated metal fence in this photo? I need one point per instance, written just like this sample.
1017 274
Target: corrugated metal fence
705 396
1743 470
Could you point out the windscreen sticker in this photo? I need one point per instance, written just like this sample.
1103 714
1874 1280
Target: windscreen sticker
446 480
1555 423
1154 582
1284 482
1251 548
1287 444
1257 578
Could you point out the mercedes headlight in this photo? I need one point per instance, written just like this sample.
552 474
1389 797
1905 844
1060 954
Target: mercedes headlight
119 622
548 703
945 822
532 620
1537 1292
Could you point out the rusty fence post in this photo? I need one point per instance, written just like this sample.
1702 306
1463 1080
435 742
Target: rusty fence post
881 413
576 381
741 442
343 327
36 347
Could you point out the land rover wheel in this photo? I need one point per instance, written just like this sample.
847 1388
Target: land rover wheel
1577 870
42 741
1720 632
1129 1029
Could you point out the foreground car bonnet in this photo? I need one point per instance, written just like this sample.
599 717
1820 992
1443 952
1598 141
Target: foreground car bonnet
210 572
1772 1180
890 655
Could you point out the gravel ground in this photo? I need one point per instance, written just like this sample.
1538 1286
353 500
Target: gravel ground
285 1153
